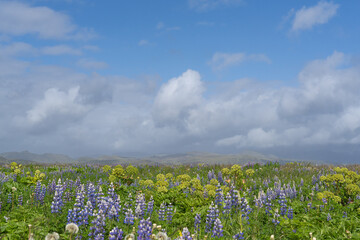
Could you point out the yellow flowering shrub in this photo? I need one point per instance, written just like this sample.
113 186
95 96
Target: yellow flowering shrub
250 172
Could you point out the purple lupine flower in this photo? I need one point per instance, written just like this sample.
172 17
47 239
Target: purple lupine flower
140 205
42 194
79 200
99 196
186 234
227 207
239 236
344 214
150 206
211 216
219 196
114 213
116 234
52 186
9 199
211 174
282 201
104 206
217 229
162 212
275 220
145 229
57 202
197 222
20 200
205 194
37 192
91 194
245 208
99 236
98 225
111 191
169 213
290 214
234 197
220 177
328 218
129 217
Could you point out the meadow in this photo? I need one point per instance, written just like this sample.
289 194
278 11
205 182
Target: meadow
253 201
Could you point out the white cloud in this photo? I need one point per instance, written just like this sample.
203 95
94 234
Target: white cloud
56 102
91 64
176 99
60 50
113 114
16 48
306 18
221 60
17 19
204 5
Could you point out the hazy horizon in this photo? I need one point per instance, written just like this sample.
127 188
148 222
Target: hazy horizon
85 78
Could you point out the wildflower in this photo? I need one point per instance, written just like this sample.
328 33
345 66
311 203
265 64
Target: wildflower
197 222
328 217
272 237
130 237
218 228
161 236
162 212
116 234
52 236
169 213
145 229
13 189
186 234
239 236
72 228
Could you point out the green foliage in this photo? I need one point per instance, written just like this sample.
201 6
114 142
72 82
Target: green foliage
320 190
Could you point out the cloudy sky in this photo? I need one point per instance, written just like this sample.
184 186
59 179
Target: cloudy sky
84 77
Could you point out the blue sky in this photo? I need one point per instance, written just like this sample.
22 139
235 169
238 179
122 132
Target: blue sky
91 77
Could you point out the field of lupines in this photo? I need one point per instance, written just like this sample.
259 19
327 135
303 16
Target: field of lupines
271 201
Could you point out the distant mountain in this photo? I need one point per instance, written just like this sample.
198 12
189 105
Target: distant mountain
114 160
37 158
214 158
26 157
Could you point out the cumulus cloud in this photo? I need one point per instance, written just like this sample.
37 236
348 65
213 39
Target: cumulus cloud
56 102
176 99
308 17
222 60
204 5
18 18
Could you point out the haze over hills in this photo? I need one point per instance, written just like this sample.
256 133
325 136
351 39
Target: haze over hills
26 157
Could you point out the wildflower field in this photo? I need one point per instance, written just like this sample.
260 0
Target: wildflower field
270 201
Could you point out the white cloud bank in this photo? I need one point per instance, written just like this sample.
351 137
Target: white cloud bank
308 17
18 18
63 111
